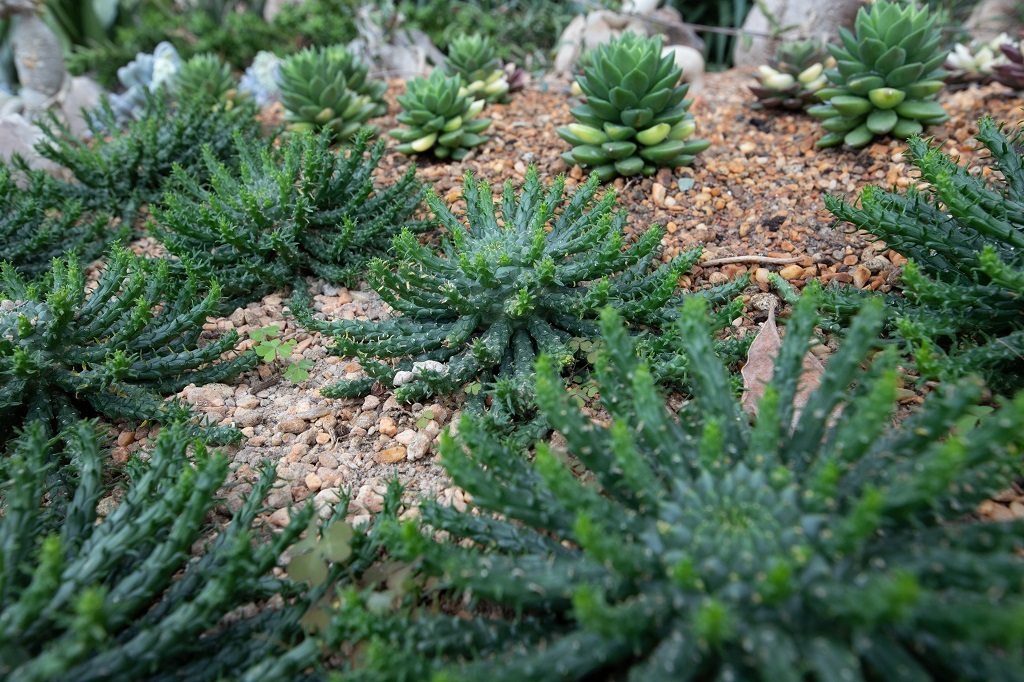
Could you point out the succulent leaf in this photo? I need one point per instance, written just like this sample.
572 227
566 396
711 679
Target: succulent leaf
697 544
892 59
631 91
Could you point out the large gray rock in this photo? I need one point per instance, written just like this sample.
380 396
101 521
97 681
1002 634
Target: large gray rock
18 136
83 93
643 17
818 19
989 18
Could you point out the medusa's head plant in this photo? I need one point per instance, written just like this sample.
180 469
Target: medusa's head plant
302 210
120 168
805 547
964 286
118 596
507 284
117 348
38 223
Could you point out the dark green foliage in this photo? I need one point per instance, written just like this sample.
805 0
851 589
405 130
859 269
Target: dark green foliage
119 170
305 210
38 223
965 236
132 338
806 547
498 294
117 597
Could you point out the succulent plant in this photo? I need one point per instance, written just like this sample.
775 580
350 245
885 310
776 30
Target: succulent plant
1011 72
886 77
440 118
119 170
498 294
472 58
696 546
147 73
117 349
327 87
38 223
205 76
301 210
260 80
118 596
964 311
636 116
973 62
792 76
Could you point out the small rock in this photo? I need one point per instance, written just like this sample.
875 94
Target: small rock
293 425
371 402
328 460
210 395
370 499
877 264
419 446
125 438
387 426
717 278
325 501
280 518
658 194
406 436
278 498
313 482
391 455
761 275
791 271
248 402
861 275
247 418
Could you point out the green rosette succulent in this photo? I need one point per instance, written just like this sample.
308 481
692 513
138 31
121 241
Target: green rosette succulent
439 118
473 59
327 87
206 76
500 293
886 77
636 117
792 76
805 547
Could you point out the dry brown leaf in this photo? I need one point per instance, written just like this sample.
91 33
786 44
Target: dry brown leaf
760 366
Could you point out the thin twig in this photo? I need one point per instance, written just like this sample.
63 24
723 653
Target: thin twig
763 260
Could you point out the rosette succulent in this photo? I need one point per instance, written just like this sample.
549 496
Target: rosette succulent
500 293
792 76
439 118
974 62
205 76
696 546
1011 72
886 77
636 116
472 58
260 80
145 74
327 87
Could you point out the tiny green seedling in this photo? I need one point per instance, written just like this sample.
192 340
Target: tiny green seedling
424 419
271 349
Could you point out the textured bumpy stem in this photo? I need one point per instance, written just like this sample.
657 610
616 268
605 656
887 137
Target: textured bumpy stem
303 210
115 350
498 293
116 171
701 545
85 597
965 239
